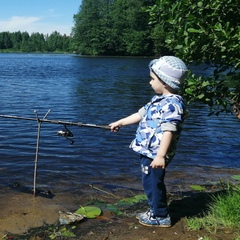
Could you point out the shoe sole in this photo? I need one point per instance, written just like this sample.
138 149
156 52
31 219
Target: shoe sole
150 225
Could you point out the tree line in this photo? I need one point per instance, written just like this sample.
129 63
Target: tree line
101 27
35 42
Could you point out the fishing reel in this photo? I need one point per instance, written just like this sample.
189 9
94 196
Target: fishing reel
66 133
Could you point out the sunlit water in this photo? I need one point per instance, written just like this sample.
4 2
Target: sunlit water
93 90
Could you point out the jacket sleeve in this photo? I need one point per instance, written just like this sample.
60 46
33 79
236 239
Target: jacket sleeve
172 114
142 111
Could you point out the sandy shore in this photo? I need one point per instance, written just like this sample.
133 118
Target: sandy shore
21 211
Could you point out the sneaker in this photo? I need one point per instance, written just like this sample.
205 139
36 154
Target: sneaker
151 221
146 214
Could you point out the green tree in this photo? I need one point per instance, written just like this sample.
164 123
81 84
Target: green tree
130 28
2 45
66 43
87 29
16 40
204 31
25 41
36 42
107 27
5 40
54 42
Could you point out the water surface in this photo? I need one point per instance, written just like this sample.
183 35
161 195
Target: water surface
96 90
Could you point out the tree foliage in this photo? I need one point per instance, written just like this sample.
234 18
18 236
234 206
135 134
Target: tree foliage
108 27
204 31
36 42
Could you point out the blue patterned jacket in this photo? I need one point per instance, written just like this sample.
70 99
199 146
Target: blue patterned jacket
162 113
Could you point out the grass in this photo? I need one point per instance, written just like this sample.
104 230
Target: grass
223 212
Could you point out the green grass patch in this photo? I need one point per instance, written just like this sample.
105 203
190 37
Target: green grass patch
236 177
223 211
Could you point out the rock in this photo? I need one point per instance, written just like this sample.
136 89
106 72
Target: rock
68 217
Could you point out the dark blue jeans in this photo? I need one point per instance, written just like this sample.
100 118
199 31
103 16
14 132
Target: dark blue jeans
154 187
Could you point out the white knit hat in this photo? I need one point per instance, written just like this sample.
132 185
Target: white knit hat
170 70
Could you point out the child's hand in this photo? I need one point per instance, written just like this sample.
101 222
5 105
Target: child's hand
114 127
158 162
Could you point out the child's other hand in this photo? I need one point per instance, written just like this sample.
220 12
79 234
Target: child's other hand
158 162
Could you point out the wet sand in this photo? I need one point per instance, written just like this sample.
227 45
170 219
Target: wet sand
21 211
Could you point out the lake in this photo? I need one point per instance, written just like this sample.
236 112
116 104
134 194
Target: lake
95 90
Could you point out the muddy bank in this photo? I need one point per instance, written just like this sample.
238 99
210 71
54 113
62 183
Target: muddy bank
21 211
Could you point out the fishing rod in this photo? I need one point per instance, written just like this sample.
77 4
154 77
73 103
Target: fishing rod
64 133
65 123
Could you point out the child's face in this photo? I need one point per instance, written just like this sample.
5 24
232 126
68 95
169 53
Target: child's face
156 84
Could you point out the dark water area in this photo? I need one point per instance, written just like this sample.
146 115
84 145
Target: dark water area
96 90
